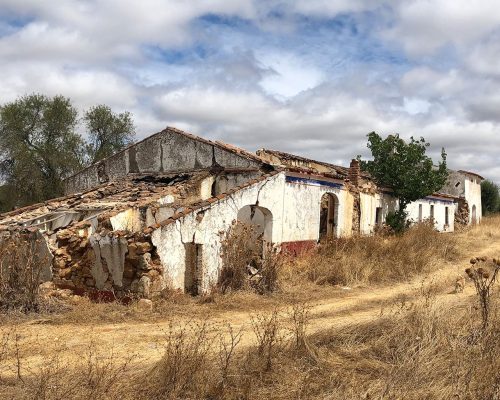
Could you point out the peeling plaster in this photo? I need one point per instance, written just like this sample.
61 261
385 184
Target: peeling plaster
112 250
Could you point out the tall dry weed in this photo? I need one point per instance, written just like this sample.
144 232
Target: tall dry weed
372 259
94 373
248 262
182 371
21 271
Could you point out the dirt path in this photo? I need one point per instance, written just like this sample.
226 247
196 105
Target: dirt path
146 339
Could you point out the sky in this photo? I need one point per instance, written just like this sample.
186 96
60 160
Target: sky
310 77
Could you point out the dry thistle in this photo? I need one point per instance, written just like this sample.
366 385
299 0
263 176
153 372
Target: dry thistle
483 283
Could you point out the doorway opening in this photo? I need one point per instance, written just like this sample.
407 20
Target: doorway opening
261 221
193 278
328 217
378 216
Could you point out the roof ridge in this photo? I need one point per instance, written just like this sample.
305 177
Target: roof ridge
219 143
470 173
302 158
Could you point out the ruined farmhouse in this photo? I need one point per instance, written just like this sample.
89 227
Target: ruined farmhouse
153 216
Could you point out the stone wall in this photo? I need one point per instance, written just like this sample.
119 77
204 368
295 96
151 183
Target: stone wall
462 213
116 263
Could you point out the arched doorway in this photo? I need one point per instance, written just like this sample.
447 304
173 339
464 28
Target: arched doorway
328 216
252 234
260 218
245 249
473 216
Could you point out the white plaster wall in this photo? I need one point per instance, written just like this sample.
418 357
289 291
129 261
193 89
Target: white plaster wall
473 196
295 212
369 204
439 213
301 211
295 209
128 220
206 187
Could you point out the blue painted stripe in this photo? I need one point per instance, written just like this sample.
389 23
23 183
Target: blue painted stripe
313 182
430 198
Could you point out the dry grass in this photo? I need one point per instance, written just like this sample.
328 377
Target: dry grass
487 231
20 272
417 350
90 373
376 259
434 346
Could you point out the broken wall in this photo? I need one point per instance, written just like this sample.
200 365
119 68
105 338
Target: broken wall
117 263
206 227
27 249
164 152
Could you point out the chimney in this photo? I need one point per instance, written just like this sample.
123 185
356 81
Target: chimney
354 171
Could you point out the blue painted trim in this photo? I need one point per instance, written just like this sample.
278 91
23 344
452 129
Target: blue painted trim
313 182
430 198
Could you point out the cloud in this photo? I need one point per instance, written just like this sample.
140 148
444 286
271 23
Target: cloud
422 27
311 77
291 76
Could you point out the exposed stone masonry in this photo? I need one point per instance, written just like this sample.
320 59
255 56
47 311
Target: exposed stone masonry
462 213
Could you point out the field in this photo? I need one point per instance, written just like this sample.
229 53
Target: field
364 318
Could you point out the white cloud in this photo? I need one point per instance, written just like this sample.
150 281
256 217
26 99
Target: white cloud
291 74
419 67
424 26
485 56
119 22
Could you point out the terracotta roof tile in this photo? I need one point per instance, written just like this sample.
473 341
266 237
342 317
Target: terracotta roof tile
166 221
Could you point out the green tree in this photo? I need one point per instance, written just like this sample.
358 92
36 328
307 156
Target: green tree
490 197
107 132
38 147
406 169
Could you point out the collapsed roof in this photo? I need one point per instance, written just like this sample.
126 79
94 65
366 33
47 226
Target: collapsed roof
107 200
